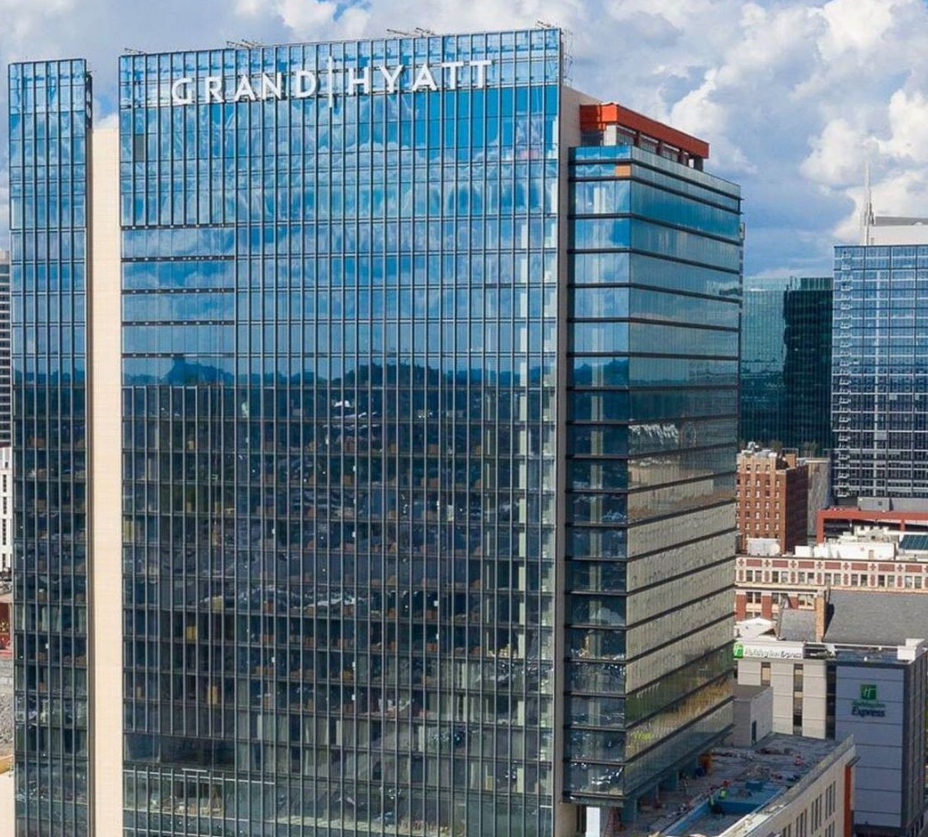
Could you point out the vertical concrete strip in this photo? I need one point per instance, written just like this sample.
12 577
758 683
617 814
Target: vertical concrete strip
104 415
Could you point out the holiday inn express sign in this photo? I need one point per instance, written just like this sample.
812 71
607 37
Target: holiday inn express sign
331 81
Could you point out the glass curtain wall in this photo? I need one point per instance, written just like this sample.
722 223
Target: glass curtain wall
764 413
880 381
807 311
654 293
786 364
49 120
339 365
6 372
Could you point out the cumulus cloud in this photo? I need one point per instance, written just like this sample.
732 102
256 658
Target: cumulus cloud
796 97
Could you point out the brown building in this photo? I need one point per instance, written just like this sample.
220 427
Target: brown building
773 495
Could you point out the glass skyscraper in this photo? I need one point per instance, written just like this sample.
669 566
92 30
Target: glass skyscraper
786 373
403 503
880 384
6 387
50 118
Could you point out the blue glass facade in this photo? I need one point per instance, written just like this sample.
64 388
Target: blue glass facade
6 360
880 381
654 293
49 123
428 444
339 408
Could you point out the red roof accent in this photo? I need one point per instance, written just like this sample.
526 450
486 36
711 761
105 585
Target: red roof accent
597 117
853 514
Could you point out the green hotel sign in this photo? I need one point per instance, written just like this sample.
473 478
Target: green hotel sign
868 705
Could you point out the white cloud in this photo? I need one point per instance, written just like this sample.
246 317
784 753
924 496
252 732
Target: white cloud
315 18
908 123
25 21
858 25
795 96
839 155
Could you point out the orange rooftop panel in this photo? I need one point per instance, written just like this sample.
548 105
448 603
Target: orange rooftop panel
597 117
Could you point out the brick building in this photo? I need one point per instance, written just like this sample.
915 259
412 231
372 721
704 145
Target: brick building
773 493
868 559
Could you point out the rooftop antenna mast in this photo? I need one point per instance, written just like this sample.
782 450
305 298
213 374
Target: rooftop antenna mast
867 219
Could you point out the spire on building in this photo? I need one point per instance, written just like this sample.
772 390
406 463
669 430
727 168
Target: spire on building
866 215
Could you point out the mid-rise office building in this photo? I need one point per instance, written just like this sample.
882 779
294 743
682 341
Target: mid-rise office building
376 413
786 345
851 668
880 383
773 498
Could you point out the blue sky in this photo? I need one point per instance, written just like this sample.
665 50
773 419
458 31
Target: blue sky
794 97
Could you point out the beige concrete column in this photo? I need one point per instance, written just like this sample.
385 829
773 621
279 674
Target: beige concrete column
105 472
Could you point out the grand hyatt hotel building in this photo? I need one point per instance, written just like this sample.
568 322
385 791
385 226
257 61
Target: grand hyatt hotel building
375 439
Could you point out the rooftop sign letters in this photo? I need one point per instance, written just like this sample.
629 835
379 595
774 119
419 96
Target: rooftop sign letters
768 651
331 81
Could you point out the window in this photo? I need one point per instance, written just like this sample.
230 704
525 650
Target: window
765 674
801 825
816 818
797 700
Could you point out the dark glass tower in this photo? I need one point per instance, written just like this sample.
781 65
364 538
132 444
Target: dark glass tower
807 311
786 363
428 410
763 356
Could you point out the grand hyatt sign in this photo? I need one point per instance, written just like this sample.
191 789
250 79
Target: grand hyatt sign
332 81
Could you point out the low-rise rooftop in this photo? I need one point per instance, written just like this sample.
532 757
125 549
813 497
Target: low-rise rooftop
741 789
868 617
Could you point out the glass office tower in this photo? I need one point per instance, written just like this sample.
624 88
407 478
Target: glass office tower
880 383
807 311
786 363
763 357
416 404
652 414
49 126
339 360
6 360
